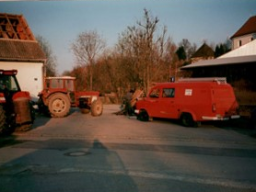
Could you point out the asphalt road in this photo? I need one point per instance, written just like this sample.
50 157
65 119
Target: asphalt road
116 153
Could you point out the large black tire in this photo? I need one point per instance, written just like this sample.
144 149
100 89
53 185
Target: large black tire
143 116
187 120
23 128
97 108
2 120
7 125
59 105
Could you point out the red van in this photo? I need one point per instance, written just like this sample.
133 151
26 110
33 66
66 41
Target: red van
191 100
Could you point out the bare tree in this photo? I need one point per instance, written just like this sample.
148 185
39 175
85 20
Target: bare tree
51 58
189 48
86 48
141 49
171 59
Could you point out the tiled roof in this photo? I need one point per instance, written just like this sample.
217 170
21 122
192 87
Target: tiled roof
248 28
204 51
18 50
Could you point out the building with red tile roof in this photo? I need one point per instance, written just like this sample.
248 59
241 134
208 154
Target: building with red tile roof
245 34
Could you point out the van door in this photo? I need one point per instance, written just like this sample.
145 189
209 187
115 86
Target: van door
153 102
167 103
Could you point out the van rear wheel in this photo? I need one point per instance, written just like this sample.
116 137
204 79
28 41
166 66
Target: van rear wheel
187 120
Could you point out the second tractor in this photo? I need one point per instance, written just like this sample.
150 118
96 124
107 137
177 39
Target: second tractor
59 95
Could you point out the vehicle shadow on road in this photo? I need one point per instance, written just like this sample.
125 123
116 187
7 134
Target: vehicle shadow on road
8 141
242 125
112 173
65 165
42 119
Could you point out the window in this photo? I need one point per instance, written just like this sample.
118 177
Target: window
57 83
155 93
168 92
70 85
253 36
8 82
240 43
54 83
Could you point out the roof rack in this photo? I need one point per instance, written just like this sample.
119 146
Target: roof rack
205 79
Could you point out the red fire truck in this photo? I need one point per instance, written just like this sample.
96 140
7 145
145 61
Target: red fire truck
191 100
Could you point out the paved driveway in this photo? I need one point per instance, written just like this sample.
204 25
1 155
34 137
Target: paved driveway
118 153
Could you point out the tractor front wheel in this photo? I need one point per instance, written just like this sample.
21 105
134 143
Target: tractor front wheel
59 105
97 108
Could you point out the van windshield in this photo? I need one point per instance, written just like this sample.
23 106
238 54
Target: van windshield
155 93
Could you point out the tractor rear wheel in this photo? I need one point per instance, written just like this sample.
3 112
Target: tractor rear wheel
97 108
6 123
23 128
2 120
59 105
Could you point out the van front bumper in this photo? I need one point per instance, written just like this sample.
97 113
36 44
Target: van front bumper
220 118
136 111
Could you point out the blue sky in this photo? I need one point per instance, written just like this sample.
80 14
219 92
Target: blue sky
60 22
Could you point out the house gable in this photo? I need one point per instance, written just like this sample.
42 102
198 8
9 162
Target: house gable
248 28
203 53
245 34
17 42
19 50
14 27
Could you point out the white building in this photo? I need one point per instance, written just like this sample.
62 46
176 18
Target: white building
19 50
245 34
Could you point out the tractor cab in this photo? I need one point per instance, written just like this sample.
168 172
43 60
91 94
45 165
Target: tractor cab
64 84
8 83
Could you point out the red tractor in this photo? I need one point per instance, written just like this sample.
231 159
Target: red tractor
16 111
59 95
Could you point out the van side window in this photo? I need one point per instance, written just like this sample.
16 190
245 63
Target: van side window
168 92
154 93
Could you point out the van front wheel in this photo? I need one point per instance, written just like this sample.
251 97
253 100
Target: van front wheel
143 116
187 120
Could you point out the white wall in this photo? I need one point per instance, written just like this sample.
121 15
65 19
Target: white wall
244 40
30 76
245 50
